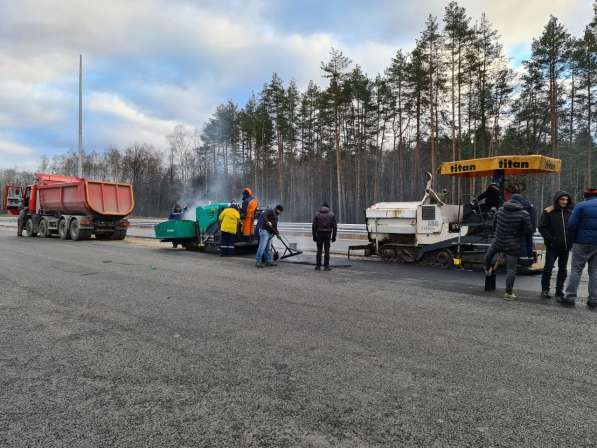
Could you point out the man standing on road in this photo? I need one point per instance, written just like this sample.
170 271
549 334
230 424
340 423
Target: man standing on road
229 219
582 227
23 209
553 227
267 228
513 224
324 230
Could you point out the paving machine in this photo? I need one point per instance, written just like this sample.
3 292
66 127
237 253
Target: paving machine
432 232
203 233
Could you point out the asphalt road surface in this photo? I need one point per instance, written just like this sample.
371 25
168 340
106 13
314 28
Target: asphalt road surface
133 344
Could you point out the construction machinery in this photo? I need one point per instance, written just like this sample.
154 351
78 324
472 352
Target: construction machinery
202 232
71 207
432 232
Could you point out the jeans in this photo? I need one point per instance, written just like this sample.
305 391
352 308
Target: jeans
265 247
227 241
511 265
553 254
581 255
323 244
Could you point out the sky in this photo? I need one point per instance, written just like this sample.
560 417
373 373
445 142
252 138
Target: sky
150 65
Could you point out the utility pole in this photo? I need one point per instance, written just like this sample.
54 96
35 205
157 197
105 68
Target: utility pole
80 171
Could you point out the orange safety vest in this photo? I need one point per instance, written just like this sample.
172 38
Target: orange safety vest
249 218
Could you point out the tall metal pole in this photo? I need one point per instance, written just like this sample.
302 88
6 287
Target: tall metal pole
80 115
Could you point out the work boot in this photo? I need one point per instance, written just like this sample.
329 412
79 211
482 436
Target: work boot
510 296
318 268
559 293
327 268
271 265
545 295
591 303
19 234
259 264
567 300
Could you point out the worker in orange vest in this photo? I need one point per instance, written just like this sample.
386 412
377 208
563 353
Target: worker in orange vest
247 212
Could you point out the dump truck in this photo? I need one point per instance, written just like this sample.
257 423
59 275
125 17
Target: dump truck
202 232
432 232
71 207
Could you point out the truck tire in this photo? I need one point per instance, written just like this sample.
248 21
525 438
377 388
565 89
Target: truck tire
43 231
29 227
118 235
63 230
76 233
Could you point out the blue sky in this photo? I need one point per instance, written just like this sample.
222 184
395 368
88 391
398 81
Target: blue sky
153 64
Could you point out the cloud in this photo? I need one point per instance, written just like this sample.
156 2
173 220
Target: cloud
151 65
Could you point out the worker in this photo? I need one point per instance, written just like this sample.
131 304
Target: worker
582 226
247 213
229 220
513 223
23 210
490 198
267 228
526 245
176 213
553 229
324 230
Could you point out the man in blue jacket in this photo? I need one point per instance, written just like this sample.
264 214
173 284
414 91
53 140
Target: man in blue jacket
582 226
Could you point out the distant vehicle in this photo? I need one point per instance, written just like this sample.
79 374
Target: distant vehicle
432 232
71 207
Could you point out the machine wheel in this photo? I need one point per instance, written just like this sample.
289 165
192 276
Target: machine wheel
443 259
78 234
118 235
191 246
388 254
406 255
63 231
43 231
175 245
29 228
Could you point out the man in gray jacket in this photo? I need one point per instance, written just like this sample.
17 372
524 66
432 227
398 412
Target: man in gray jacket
324 230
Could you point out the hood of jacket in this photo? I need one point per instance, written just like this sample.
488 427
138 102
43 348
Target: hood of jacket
556 198
513 205
324 210
247 192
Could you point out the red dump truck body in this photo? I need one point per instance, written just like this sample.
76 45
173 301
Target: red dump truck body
72 207
83 196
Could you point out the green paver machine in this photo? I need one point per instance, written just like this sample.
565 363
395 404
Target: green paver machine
202 233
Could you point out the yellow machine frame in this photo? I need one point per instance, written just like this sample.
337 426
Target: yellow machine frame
510 165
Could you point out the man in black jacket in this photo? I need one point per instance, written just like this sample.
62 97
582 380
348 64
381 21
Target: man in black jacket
513 224
324 230
553 228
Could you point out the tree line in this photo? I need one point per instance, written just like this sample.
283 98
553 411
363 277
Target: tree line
357 139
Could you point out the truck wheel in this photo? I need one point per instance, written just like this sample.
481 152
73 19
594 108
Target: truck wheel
43 230
29 228
76 233
63 231
118 235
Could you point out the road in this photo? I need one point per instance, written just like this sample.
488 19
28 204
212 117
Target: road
133 344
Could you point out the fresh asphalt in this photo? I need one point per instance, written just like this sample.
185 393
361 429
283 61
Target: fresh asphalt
134 344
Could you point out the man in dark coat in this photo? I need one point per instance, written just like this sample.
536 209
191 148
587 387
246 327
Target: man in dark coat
553 228
513 224
267 228
490 198
324 230
582 226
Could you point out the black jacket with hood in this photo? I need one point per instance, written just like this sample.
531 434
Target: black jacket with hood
324 222
554 221
513 223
